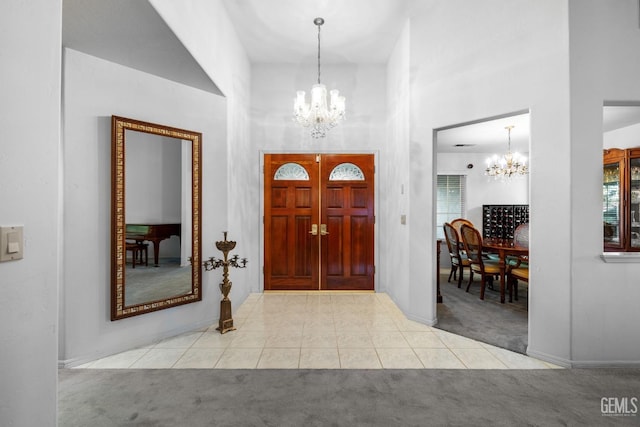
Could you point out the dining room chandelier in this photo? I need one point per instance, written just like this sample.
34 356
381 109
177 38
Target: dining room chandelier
317 114
508 165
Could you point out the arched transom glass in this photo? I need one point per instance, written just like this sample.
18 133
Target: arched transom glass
346 172
292 172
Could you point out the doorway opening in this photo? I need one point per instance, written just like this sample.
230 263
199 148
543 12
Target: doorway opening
461 152
319 222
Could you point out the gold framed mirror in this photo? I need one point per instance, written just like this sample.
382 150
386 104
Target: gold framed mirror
155 217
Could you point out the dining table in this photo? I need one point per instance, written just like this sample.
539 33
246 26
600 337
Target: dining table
503 248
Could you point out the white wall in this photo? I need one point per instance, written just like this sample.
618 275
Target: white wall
94 90
605 65
472 60
480 189
395 186
153 178
204 28
30 37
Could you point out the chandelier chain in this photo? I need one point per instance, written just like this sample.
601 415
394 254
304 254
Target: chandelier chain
319 53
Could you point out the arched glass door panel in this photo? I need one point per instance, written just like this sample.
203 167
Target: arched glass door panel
346 172
291 172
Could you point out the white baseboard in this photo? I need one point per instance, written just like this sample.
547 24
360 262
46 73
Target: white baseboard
629 364
419 319
568 363
560 361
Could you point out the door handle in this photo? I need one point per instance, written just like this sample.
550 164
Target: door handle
314 229
323 230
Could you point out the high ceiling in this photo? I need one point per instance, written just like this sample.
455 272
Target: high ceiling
282 31
131 33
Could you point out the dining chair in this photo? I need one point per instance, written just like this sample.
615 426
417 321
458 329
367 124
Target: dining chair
518 268
458 259
487 268
518 271
457 224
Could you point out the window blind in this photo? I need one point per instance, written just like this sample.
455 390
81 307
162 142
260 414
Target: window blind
450 202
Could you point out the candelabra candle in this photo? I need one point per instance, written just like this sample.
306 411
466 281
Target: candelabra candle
226 321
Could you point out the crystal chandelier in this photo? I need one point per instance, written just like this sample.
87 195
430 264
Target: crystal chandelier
509 165
319 115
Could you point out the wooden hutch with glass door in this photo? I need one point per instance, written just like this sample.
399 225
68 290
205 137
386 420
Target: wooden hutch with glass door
621 200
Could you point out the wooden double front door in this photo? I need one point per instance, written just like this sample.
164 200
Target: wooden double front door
319 222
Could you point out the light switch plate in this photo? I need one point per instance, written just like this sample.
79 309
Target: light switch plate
11 243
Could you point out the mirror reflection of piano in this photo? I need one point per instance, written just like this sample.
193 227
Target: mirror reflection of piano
154 233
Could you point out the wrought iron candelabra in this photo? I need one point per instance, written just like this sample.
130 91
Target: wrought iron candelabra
226 321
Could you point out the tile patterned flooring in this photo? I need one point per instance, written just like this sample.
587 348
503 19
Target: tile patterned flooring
319 331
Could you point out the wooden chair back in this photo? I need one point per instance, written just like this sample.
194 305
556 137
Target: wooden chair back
473 246
453 242
472 243
458 222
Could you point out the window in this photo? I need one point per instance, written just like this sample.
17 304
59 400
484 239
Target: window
346 172
291 171
450 200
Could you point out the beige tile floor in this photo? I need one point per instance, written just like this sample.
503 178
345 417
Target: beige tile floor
320 331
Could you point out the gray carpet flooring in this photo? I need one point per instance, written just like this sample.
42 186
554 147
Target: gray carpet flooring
464 313
196 398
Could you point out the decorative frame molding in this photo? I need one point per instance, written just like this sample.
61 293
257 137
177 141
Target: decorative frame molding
118 223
